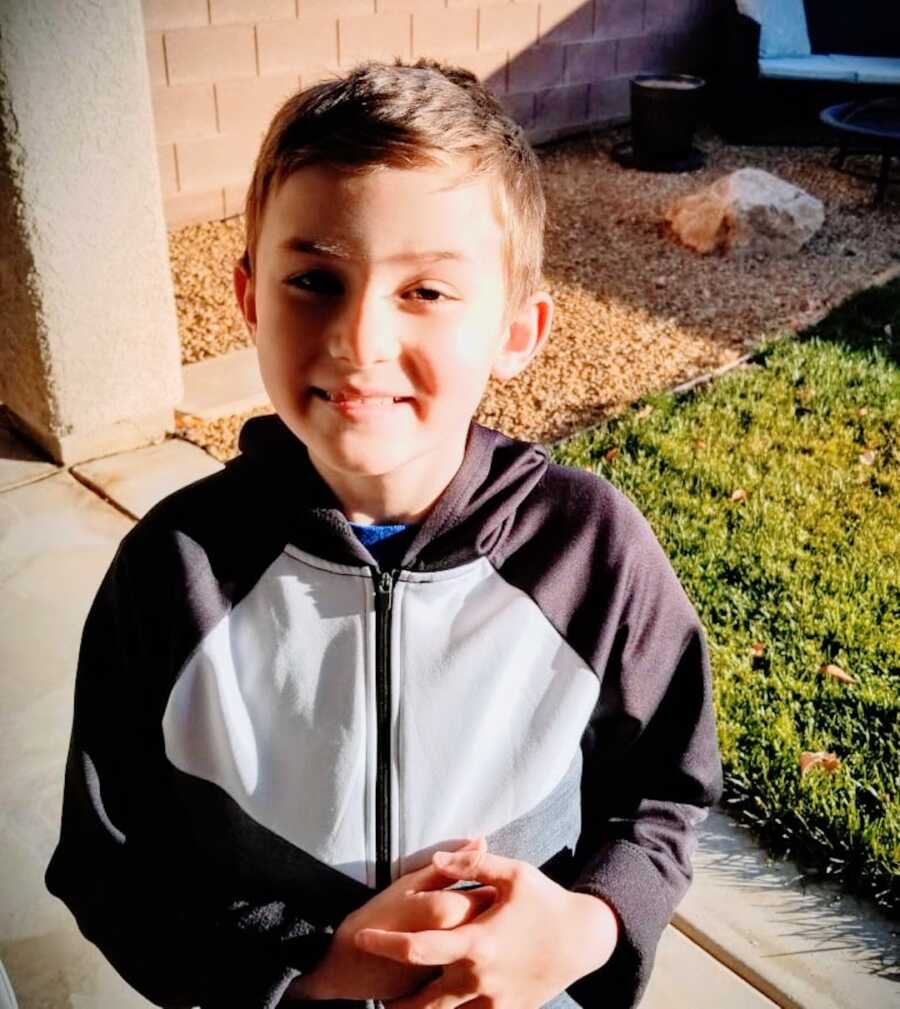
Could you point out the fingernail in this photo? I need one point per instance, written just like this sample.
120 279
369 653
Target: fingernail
442 858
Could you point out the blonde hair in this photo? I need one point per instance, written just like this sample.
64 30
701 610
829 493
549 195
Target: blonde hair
409 116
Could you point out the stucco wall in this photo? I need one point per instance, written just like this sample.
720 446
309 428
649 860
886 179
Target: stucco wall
220 68
89 356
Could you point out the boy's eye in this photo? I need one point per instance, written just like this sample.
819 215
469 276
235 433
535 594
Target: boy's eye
428 294
319 281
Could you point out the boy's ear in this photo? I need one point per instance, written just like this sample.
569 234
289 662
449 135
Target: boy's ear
244 290
526 334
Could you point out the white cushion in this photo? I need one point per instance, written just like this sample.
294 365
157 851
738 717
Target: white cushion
834 67
803 68
875 69
783 28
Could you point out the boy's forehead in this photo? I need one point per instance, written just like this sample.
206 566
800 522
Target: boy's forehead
399 212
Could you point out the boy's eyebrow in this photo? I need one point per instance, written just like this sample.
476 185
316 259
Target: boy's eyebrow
339 251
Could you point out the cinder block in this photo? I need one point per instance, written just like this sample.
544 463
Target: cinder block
196 55
336 8
565 20
511 26
236 197
315 72
168 173
644 54
184 112
443 31
374 36
162 15
156 58
248 106
412 6
193 208
223 12
205 164
488 65
618 19
670 15
561 106
535 68
589 61
610 99
294 46
520 107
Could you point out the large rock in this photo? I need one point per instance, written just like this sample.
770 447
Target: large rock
745 213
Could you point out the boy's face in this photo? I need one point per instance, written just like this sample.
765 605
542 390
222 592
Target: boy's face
386 291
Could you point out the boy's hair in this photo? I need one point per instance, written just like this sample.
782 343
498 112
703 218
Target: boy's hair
409 116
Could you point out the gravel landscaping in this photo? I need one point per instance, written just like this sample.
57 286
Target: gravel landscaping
635 311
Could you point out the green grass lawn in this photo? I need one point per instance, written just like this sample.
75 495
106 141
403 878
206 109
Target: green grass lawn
799 572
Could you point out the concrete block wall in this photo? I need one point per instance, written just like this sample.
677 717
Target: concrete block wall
219 69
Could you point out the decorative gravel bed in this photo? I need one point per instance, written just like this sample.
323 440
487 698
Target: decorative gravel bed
635 311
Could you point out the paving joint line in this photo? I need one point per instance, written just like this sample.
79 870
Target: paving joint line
735 964
95 489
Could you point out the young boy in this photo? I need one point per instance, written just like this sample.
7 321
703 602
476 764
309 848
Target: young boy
384 630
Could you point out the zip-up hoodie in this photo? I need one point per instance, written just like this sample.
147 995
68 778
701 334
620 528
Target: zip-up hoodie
268 728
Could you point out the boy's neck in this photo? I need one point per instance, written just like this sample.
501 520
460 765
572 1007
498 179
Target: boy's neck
402 497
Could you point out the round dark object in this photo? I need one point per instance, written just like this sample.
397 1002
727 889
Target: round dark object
625 154
664 113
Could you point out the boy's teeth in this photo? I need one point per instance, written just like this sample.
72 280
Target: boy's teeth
363 399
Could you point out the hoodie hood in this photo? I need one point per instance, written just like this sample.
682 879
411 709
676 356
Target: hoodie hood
470 519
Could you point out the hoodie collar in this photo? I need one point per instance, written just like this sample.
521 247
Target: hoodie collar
469 520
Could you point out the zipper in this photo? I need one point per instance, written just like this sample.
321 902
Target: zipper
384 590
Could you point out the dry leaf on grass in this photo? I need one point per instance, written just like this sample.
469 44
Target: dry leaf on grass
835 672
758 649
739 495
867 458
613 453
862 411
644 411
827 761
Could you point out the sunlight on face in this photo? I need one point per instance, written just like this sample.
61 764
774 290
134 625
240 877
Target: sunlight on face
386 291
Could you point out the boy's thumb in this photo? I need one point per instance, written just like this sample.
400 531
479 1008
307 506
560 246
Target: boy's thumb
476 843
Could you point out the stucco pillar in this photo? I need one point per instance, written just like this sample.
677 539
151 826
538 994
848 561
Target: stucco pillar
90 361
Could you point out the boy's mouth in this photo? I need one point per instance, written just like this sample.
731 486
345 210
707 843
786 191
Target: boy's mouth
351 398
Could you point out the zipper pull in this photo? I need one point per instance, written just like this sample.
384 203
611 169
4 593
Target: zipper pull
384 585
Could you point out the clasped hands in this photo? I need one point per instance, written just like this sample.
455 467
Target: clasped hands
517 941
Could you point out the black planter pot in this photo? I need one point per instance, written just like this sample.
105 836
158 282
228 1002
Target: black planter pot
664 113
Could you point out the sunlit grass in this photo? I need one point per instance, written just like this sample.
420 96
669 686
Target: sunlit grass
800 571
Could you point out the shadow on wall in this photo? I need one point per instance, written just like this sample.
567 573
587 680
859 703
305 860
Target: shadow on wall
579 72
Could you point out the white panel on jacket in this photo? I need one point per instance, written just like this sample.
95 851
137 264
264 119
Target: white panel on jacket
272 708
490 705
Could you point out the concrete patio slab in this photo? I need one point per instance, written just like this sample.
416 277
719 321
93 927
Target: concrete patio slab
19 462
136 480
56 542
806 947
687 977
223 385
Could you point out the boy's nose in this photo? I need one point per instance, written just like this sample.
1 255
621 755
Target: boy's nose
363 332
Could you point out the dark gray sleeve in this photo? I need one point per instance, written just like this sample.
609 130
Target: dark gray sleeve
158 923
591 561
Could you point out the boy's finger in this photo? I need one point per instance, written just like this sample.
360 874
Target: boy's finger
433 947
429 877
480 865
